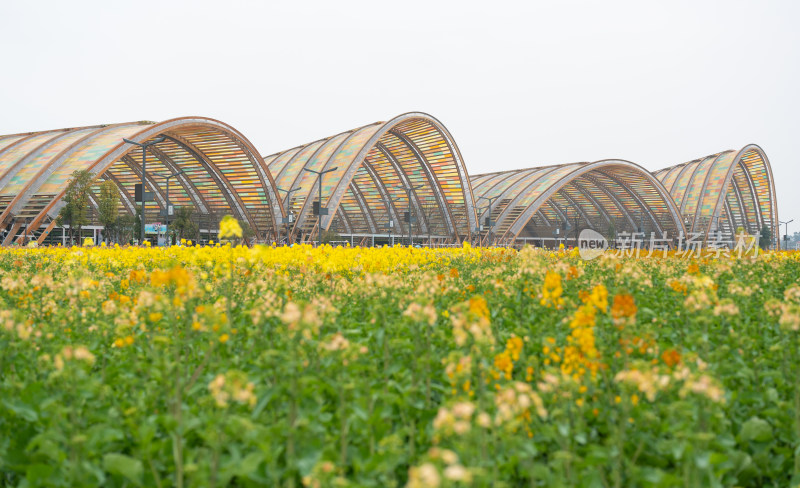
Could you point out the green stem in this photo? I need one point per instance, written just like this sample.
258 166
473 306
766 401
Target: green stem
342 428
177 440
290 438
156 478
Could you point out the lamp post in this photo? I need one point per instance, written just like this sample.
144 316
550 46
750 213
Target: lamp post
289 216
144 146
320 209
786 231
488 221
168 210
408 190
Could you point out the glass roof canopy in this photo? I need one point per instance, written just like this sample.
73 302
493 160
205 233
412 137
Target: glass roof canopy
222 173
725 191
373 164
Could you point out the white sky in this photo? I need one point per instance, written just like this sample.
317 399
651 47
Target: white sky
518 84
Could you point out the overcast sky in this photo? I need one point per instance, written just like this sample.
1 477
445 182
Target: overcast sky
518 84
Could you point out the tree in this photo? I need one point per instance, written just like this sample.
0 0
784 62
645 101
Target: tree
247 232
108 206
329 236
124 228
183 223
765 241
611 232
75 211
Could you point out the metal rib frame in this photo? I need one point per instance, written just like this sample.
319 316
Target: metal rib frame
170 128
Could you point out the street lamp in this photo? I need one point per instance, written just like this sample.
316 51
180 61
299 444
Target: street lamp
168 211
488 221
144 146
289 216
408 190
786 232
319 209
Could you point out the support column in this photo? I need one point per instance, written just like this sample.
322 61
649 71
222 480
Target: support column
12 233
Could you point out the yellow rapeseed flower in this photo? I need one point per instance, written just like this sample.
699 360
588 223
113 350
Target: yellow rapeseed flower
229 228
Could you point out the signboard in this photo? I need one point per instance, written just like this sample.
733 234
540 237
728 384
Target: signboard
137 194
317 210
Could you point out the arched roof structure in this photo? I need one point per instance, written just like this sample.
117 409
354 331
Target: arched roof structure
220 171
724 191
603 195
371 165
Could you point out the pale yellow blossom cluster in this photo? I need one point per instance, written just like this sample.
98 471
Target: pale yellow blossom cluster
429 474
792 293
421 313
425 475
305 320
727 307
456 419
73 353
650 382
516 402
737 288
336 342
232 386
704 385
471 319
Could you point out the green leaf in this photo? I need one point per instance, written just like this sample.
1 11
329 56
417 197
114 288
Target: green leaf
249 464
756 430
21 410
38 473
125 466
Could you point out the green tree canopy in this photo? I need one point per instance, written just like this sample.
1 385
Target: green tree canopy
183 224
108 206
75 212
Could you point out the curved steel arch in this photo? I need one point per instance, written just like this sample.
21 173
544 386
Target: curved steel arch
760 167
48 167
224 172
237 167
526 196
428 156
718 185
